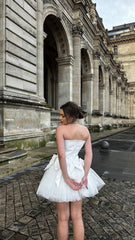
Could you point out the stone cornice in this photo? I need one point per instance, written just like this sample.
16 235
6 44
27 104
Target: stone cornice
120 39
79 1
131 92
131 84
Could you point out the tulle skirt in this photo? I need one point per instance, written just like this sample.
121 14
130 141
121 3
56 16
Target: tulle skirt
54 188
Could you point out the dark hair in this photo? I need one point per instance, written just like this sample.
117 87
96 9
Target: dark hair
71 109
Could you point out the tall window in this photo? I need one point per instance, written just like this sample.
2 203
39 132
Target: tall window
115 49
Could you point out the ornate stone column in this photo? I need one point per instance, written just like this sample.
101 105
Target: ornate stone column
88 98
64 85
126 103
123 101
114 96
96 82
102 99
2 63
131 104
77 33
106 107
40 77
111 103
2 45
119 99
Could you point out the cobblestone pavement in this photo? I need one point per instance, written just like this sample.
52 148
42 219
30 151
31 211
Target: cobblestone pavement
24 216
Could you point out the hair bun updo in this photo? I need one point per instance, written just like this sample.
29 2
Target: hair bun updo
81 113
71 109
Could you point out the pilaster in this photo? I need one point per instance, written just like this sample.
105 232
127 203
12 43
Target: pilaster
111 103
106 108
96 82
123 101
87 101
102 99
131 104
119 98
2 44
40 37
77 34
126 103
114 96
64 85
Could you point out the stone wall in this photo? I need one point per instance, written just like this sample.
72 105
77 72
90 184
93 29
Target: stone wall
21 46
23 116
122 43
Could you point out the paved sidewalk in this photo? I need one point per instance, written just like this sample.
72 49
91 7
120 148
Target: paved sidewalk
24 216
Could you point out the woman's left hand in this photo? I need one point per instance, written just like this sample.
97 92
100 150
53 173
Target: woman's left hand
73 184
84 182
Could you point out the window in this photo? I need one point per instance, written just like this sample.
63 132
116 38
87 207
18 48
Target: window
115 49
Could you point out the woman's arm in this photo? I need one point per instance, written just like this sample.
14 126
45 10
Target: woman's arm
62 160
87 160
61 151
88 155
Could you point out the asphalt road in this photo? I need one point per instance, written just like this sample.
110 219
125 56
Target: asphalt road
114 156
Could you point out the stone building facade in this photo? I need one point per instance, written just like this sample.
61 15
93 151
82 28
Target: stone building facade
122 44
53 51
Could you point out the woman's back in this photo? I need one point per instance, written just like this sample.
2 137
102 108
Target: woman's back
74 131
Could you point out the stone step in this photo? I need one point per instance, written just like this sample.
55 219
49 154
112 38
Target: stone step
11 155
7 150
2 145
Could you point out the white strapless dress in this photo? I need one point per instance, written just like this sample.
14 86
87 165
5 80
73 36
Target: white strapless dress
54 188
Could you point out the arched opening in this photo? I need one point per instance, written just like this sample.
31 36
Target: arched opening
55 47
50 68
85 79
101 85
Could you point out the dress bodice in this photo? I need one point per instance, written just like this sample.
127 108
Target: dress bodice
72 147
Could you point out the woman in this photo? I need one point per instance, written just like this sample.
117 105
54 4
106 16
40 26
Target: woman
67 178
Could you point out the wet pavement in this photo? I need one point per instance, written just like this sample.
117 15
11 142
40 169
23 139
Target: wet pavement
117 161
110 215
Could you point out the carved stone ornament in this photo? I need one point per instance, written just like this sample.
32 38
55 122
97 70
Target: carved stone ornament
97 55
78 29
107 68
86 3
114 78
92 14
78 1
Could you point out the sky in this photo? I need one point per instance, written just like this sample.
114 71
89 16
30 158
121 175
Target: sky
115 12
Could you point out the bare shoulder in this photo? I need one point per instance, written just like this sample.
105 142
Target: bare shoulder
60 128
84 131
84 128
